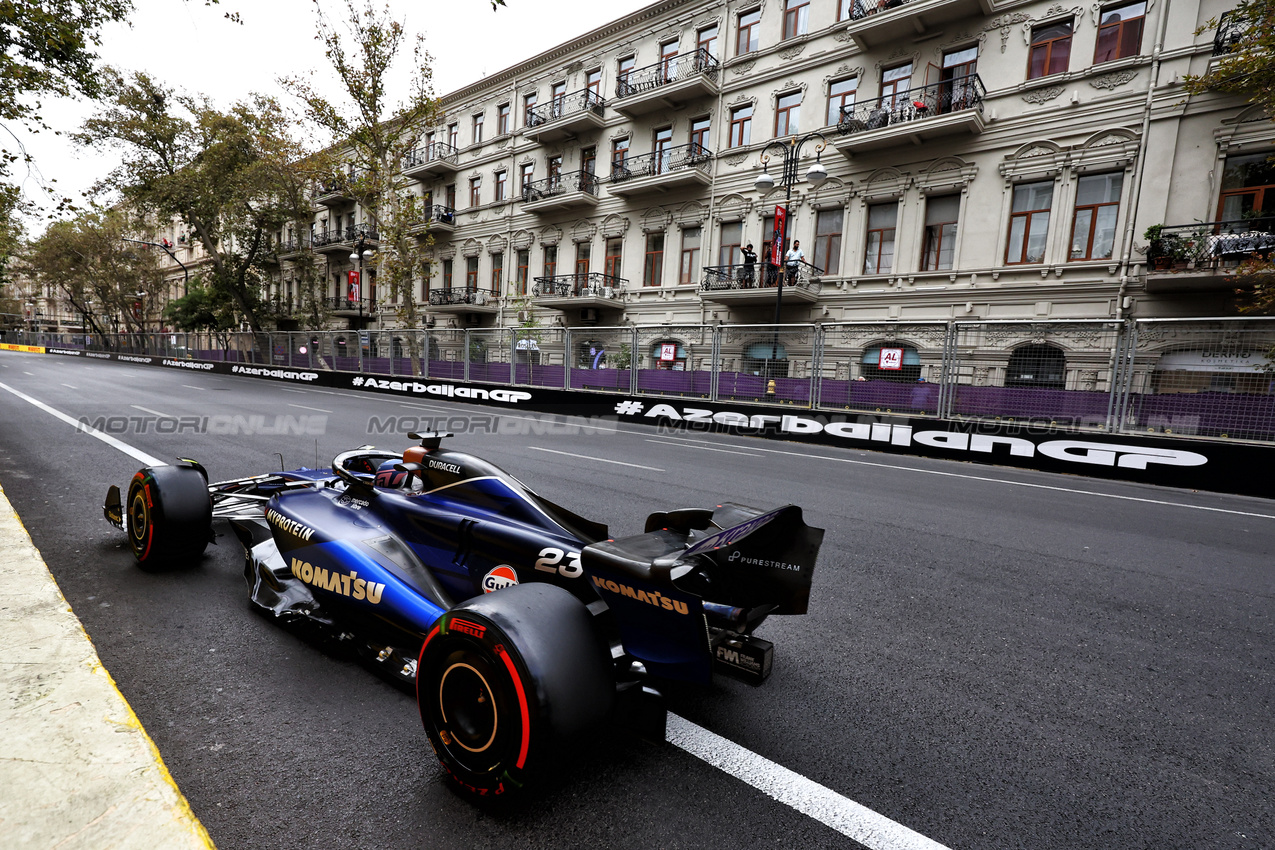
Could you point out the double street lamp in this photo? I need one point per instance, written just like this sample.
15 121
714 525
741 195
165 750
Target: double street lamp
362 252
790 151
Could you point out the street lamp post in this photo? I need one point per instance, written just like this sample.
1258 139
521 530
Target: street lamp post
362 251
791 152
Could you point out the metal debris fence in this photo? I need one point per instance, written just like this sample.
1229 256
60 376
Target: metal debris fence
1208 378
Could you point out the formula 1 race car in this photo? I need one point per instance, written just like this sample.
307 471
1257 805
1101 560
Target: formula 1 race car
521 625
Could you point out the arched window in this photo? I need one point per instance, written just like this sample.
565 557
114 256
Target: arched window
768 359
527 351
669 354
1037 366
891 362
594 354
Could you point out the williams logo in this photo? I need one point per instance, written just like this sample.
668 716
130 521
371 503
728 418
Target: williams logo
346 584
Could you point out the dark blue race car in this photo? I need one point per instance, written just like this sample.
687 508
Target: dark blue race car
521 625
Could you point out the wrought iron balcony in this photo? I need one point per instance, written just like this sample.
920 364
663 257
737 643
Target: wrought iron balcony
877 22
1211 246
429 159
343 304
667 72
682 164
334 190
861 9
1231 29
757 281
582 285
437 218
468 296
292 246
925 112
562 190
566 115
328 239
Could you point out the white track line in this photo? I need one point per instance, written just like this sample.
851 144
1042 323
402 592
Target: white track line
68 386
702 448
315 409
136 454
148 410
870 829
989 480
598 459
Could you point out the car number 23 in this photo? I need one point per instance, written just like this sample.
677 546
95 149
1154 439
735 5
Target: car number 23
551 561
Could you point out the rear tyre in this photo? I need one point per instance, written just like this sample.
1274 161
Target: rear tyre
169 516
509 683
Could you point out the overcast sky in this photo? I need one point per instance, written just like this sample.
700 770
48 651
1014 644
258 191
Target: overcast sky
194 48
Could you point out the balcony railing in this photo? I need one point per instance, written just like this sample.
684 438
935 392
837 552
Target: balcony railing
462 295
346 234
583 285
861 9
437 214
676 69
585 100
1231 29
1211 244
292 246
678 158
340 302
955 95
432 152
753 276
560 184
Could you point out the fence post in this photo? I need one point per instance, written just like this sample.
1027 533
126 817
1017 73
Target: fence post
634 361
816 367
465 354
714 353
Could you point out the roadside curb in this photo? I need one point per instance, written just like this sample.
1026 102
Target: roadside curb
77 770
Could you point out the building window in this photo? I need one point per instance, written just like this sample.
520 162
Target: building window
584 250
453 135
427 270
1093 229
475 191
661 144
653 268
502 183
958 91
699 134
555 170
449 192
497 271
557 94
502 119
941 214
589 160
471 272
1051 50
1120 32
732 234
741 126
706 40
796 17
827 254
878 258
1038 365
843 9
551 260
447 274
619 154
593 83
478 129
895 83
528 107
623 68
1029 223
614 256
749 29
840 96
669 354
1248 187
526 172
520 279
905 369
787 113
668 63
688 271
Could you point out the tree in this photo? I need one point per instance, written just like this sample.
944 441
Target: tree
373 133
97 272
1248 68
201 309
217 172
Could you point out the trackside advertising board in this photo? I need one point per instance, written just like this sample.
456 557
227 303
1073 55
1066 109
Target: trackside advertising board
1150 459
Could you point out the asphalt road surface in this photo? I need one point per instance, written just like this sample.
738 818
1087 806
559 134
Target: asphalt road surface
994 658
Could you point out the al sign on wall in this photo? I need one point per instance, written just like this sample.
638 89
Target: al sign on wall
891 358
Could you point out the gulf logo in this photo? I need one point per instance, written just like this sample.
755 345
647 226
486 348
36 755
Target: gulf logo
502 576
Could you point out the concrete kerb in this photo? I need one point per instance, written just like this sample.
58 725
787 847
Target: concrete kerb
77 770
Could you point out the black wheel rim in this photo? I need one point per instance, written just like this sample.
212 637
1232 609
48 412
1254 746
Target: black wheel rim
468 708
139 520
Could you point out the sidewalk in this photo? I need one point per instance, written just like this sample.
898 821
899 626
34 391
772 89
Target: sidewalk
77 770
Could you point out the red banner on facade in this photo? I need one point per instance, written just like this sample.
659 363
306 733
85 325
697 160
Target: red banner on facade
352 290
777 243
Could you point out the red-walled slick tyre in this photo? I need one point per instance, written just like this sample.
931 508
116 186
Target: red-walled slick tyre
508 683
169 516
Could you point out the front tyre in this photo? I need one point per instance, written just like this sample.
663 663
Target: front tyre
508 683
169 515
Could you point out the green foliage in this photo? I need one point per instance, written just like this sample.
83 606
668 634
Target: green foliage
1256 278
202 309
1248 69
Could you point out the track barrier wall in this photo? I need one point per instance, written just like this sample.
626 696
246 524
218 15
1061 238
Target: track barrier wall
1186 403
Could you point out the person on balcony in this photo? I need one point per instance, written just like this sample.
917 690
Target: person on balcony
750 263
792 261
